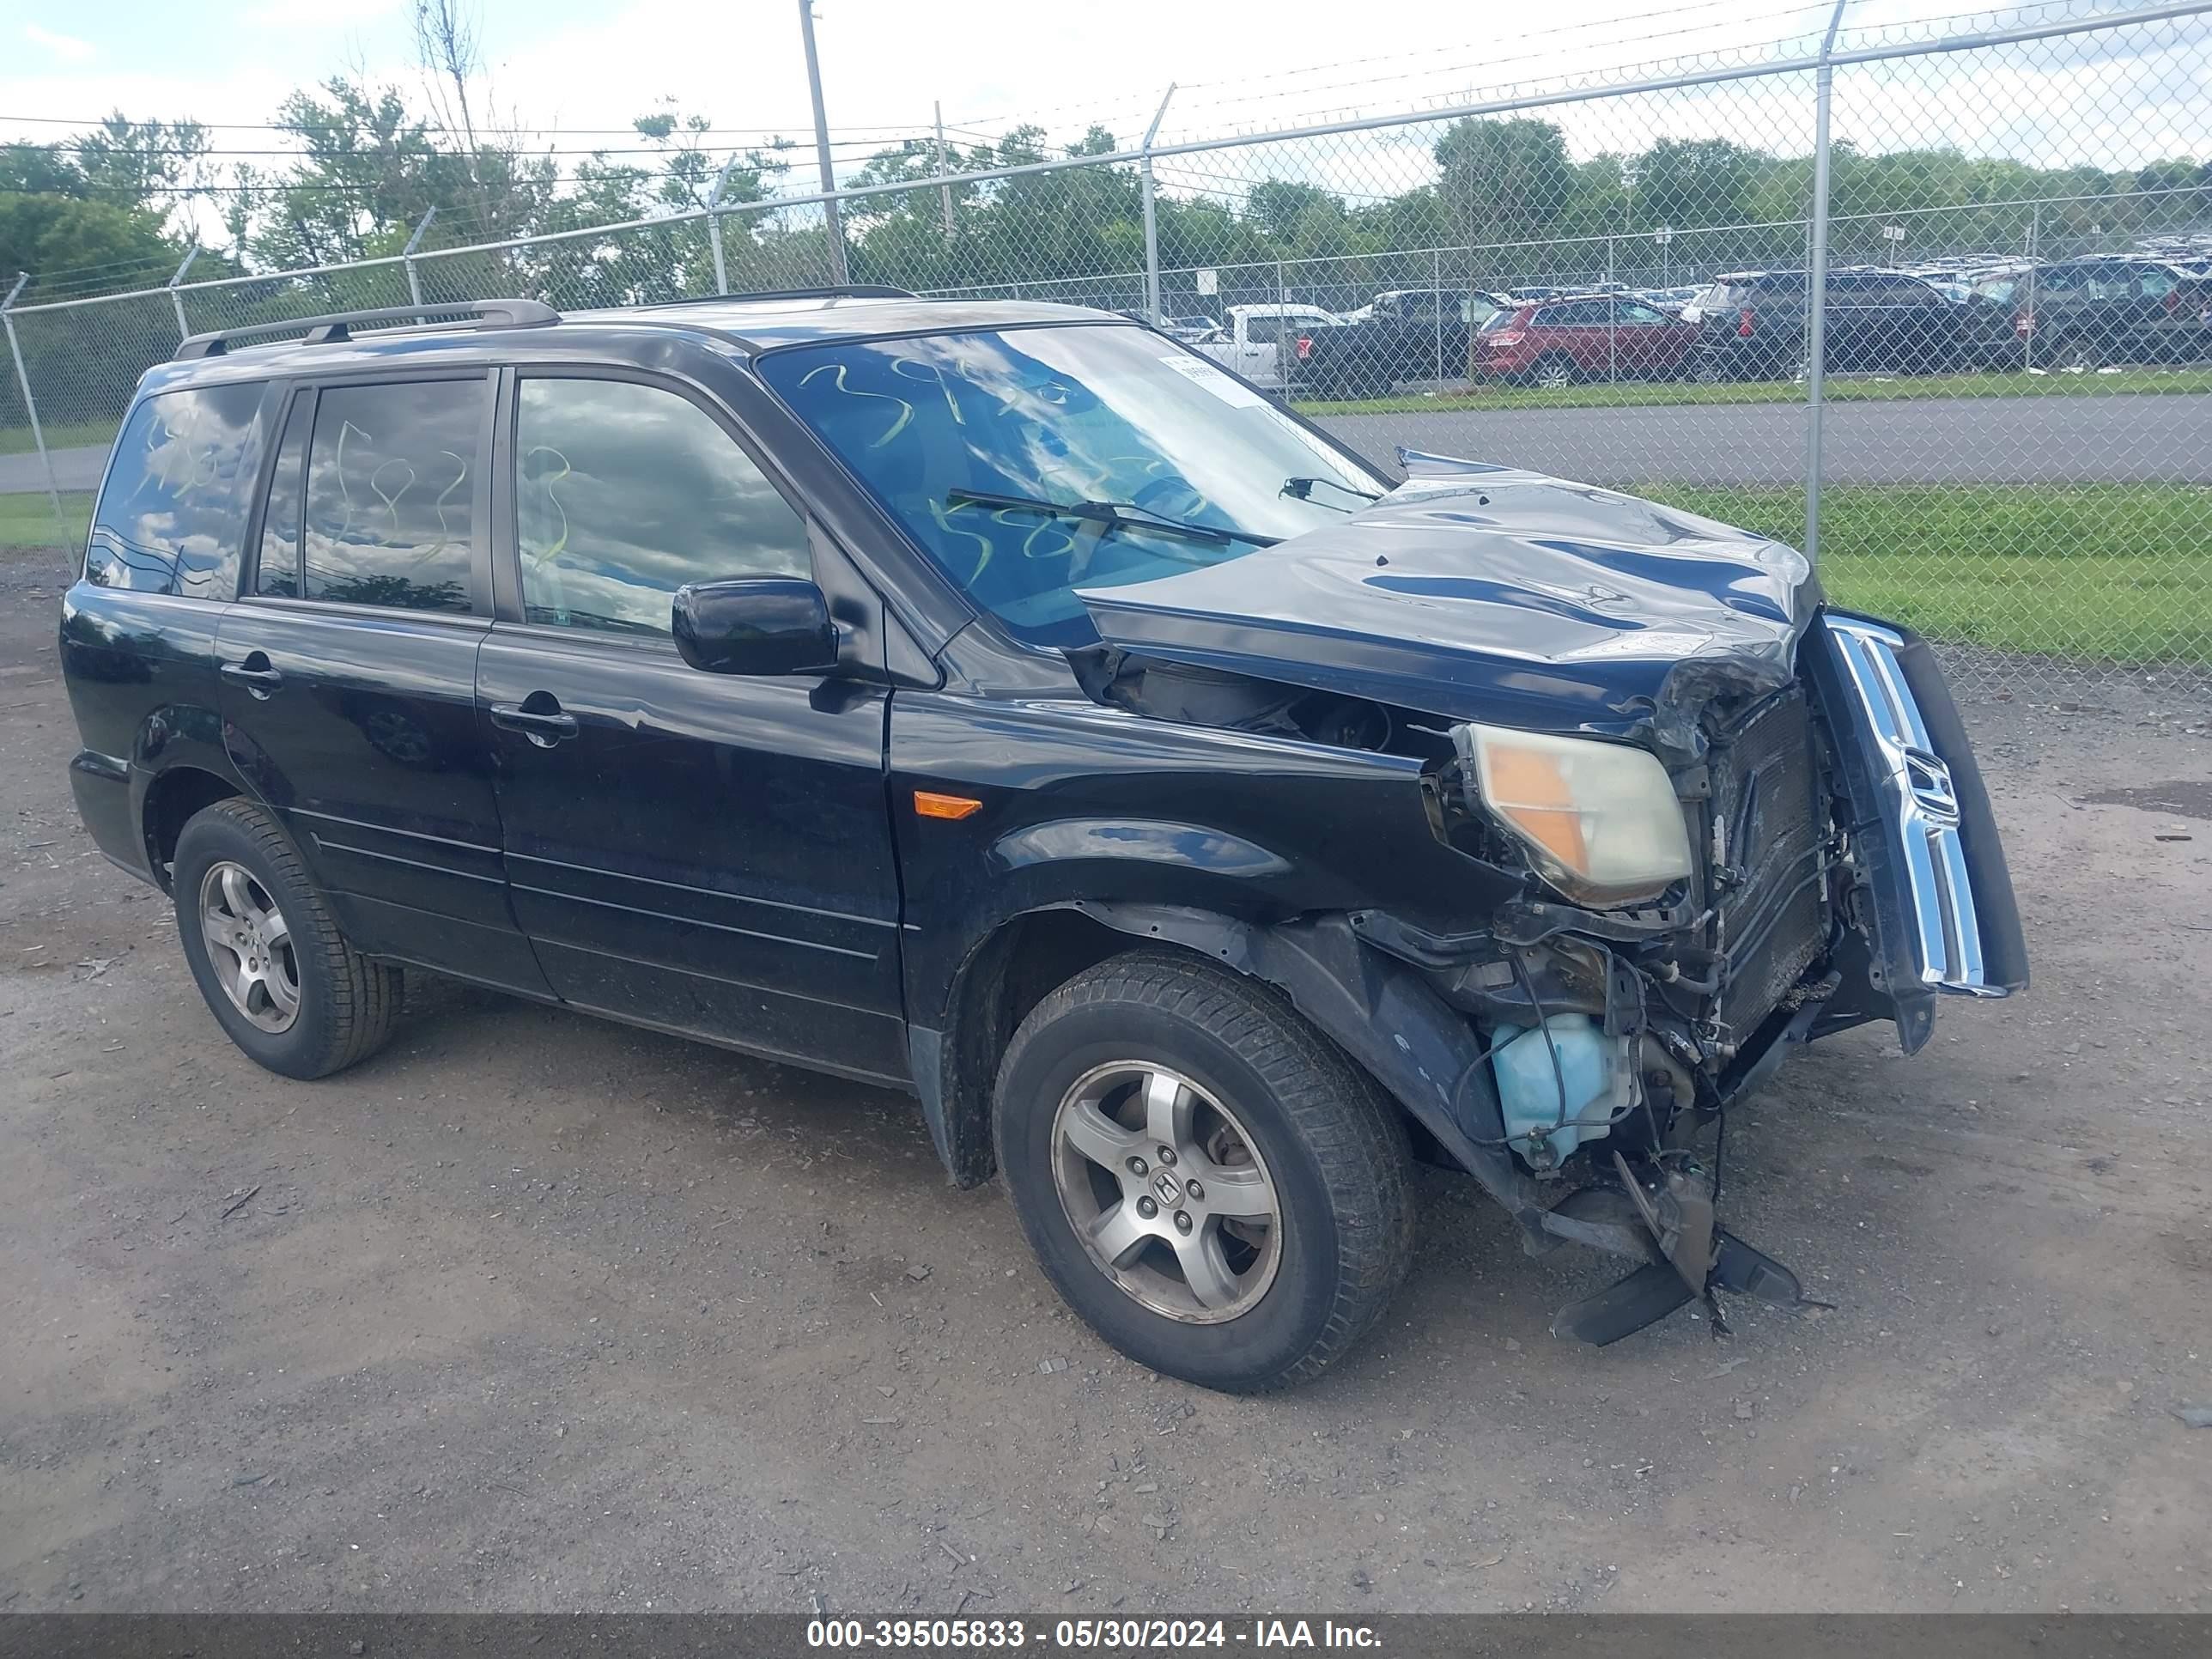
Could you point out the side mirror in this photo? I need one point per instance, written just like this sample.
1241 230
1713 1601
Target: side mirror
754 625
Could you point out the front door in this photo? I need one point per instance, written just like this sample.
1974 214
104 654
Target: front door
704 852
348 669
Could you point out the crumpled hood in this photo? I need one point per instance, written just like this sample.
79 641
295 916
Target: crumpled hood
1487 593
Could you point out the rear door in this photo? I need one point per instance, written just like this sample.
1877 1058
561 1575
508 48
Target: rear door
348 668
1644 342
707 854
1256 355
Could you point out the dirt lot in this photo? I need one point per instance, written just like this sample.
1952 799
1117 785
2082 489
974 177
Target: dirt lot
535 1313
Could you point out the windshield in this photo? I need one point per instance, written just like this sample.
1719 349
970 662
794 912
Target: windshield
1072 415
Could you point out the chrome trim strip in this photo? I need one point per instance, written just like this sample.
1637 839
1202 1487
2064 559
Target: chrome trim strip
1916 790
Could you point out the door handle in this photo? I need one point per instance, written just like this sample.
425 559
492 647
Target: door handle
259 682
543 729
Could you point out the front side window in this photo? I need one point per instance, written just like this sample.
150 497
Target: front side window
391 475
625 492
173 514
959 436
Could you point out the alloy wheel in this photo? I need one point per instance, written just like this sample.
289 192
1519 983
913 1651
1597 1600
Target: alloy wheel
1554 375
249 946
1167 1191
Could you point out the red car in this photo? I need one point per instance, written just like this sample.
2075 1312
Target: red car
1556 343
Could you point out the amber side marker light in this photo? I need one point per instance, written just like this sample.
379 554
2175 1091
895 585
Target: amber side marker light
928 803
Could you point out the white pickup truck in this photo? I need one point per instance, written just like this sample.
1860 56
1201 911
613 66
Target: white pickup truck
1253 338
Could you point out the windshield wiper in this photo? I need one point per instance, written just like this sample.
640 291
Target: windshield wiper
1110 513
1303 489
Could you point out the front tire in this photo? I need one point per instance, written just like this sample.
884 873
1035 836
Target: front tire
260 938
1302 1228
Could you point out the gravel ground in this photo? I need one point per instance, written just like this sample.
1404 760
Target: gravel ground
534 1313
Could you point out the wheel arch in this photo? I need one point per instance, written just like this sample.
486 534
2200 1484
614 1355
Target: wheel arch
1381 1011
173 796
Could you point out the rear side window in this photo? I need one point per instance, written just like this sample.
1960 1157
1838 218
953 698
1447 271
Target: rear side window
173 514
392 478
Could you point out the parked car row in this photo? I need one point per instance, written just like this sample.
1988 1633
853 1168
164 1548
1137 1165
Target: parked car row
2077 314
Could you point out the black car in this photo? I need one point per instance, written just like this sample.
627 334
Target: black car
1408 334
1002 704
1753 325
2117 308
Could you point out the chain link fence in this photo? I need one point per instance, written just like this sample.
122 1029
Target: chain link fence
1936 307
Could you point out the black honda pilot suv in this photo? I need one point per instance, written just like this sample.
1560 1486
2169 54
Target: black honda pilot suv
1002 704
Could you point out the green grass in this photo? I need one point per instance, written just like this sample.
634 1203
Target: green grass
1845 390
26 521
79 435
2121 572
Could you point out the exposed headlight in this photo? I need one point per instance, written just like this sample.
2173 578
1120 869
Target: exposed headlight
1599 819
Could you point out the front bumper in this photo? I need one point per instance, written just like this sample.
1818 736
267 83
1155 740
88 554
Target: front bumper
1940 915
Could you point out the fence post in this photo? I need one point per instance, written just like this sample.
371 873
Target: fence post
1152 225
943 192
1816 286
1437 282
177 299
407 255
31 405
714 225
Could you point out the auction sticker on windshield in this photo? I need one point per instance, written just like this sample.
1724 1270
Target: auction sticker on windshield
1230 392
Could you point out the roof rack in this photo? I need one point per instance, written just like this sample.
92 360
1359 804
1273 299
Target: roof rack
843 291
340 324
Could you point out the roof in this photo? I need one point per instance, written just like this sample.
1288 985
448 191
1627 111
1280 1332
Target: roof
749 324
763 324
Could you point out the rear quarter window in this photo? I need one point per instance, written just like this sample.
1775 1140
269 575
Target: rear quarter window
172 512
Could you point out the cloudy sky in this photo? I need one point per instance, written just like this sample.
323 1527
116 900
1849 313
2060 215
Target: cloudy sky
566 67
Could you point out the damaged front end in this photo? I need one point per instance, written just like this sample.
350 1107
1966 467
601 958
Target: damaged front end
1844 867
1728 819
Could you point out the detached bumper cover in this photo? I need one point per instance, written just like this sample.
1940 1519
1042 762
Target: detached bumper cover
1943 915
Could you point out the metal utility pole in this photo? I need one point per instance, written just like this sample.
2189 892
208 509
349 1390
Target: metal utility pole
943 192
1151 224
831 222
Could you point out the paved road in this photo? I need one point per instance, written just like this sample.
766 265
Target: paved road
2057 439
74 469
2123 437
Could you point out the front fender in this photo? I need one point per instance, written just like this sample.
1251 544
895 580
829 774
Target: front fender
1381 1010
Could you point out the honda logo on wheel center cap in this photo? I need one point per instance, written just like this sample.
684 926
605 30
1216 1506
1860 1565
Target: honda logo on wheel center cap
1169 1189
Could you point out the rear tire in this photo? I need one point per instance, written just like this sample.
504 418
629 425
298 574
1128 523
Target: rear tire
262 943
2076 353
1267 1115
1553 374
